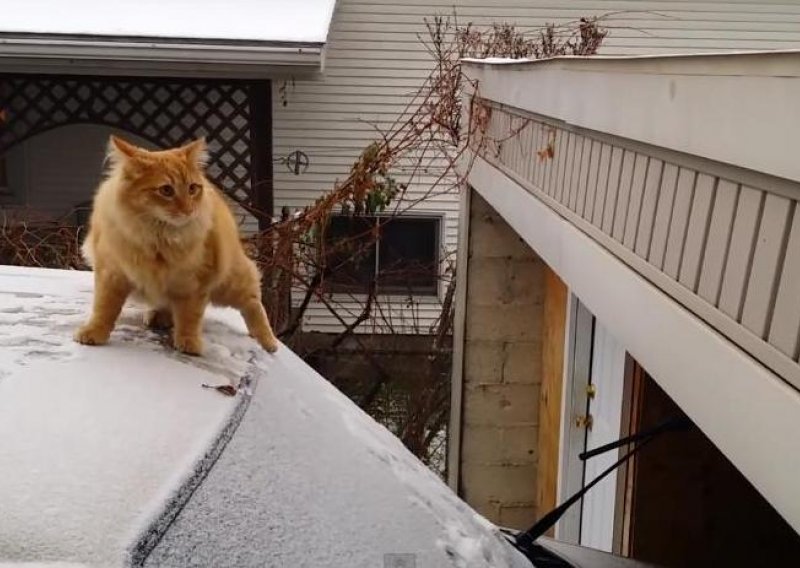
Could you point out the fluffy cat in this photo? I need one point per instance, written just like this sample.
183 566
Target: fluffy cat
160 231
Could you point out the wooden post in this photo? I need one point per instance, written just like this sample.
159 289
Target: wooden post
261 182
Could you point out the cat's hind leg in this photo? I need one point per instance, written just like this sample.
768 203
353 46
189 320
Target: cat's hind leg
244 294
255 317
110 292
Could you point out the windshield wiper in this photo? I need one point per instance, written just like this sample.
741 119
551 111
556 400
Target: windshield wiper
526 542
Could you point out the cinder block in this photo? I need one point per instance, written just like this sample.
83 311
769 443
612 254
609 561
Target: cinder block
501 405
495 281
489 281
504 484
522 362
520 517
520 443
482 444
491 236
504 322
525 281
489 509
483 362
499 445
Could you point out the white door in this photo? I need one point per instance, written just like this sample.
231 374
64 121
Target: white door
605 409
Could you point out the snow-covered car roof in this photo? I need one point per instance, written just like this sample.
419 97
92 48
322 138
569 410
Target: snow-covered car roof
117 455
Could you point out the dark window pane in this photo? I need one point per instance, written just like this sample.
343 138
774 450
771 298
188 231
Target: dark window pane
409 256
4 189
349 254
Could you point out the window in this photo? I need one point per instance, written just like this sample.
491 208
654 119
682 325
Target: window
405 254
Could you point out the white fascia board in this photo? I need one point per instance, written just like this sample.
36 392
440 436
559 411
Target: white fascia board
738 109
749 412
176 59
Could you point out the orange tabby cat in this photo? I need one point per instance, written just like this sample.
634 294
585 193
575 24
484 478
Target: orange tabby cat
161 231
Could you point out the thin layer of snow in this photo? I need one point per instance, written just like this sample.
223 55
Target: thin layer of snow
95 439
643 56
252 20
311 480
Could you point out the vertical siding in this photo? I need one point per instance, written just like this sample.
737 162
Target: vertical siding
719 236
647 213
725 250
742 241
785 331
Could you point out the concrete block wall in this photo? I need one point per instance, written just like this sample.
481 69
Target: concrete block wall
502 371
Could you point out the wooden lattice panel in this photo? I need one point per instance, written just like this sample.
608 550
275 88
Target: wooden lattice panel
164 112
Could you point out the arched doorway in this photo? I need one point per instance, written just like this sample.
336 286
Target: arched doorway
234 116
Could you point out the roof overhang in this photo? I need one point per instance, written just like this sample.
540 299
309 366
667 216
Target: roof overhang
112 56
735 108
203 38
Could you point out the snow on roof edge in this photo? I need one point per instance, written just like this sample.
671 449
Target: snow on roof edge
641 57
289 21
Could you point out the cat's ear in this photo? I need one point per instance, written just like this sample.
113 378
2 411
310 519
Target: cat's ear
120 151
196 152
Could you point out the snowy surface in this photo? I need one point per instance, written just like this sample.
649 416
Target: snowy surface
602 57
254 20
95 439
310 480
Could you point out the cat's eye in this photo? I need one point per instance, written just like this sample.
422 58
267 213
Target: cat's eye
166 190
194 188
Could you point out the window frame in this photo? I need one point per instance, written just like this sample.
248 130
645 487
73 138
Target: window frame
431 293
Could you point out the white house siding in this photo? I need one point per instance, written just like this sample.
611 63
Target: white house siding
375 62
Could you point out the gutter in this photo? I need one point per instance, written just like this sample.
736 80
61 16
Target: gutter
102 55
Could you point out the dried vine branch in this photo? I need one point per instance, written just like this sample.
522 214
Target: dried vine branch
420 150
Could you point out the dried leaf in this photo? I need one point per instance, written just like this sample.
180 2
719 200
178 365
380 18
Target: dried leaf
227 390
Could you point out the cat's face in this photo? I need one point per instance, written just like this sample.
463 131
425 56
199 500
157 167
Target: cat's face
166 185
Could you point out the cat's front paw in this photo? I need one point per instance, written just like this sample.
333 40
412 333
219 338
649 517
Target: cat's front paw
189 344
91 335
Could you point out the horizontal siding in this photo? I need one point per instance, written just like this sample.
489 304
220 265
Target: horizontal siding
721 245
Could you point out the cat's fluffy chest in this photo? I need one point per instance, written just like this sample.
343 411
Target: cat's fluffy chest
166 267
